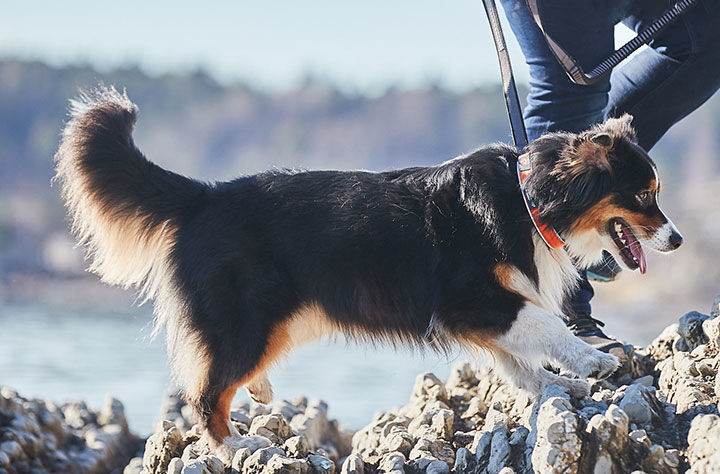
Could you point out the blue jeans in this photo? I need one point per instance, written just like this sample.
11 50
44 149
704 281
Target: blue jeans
659 86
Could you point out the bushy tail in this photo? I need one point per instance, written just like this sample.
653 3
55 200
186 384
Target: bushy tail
124 209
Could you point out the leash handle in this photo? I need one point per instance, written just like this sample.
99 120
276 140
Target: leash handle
512 101
573 69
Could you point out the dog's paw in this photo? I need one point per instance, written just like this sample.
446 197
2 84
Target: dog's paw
599 365
260 390
227 449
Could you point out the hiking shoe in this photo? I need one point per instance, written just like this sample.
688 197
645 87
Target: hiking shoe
606 269
588 329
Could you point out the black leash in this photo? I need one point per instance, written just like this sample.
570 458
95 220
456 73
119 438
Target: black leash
573 69
512 102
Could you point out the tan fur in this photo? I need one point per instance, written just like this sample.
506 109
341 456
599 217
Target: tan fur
597 217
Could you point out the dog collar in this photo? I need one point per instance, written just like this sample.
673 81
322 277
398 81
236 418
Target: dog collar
548 234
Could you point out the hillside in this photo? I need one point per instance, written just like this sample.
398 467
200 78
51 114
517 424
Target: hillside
196 126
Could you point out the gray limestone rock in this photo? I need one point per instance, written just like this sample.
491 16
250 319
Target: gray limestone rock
703 442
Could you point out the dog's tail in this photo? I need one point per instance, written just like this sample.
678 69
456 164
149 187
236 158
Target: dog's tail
124 209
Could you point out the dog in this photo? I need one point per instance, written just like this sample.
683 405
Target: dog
241 272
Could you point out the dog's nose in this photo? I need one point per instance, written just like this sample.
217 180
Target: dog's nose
675 239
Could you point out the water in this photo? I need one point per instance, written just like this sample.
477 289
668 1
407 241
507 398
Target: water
86 354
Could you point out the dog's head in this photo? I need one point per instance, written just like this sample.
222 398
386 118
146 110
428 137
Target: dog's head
599 189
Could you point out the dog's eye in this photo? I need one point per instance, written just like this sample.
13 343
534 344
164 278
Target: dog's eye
643 197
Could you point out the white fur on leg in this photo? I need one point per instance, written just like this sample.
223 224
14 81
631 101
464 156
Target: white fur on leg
225 450
538 337
260 389
534 378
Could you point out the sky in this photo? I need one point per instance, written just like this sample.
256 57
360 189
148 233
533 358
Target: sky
271 44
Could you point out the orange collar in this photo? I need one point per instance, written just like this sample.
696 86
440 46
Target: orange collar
548 234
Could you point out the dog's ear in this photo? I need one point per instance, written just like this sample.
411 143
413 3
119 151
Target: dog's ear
591 152
588 152
620 127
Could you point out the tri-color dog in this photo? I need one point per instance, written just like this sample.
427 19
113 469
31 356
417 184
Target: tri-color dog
243 271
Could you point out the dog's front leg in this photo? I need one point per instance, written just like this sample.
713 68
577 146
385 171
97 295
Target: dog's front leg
537 337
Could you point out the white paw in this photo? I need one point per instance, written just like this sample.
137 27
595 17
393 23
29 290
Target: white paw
226 451
599 365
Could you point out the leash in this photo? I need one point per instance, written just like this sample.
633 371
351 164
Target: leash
573 69
512 102
517 126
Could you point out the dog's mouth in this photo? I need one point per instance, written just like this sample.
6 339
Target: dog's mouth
627 244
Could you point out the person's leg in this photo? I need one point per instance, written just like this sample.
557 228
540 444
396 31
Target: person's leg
586 30
664 83
555 103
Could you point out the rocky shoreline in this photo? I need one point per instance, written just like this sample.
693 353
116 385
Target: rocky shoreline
658 414
38 436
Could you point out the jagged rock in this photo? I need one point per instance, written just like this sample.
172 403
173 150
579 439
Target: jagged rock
715 308
175 466
273 426
636 403
463 460
42 436
703 442
691 331
557 444
297 446
284 465
255 463
499 450
437 467
161 447
321 464
392 462
353 465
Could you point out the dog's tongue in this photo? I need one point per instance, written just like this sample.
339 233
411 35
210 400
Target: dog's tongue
635 248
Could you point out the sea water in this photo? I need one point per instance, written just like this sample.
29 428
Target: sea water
87 354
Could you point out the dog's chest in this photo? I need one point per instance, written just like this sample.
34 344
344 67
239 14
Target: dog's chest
556 276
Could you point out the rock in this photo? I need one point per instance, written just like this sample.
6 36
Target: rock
284 465
703 441
313 423
273 426
161 447
392 462
12 450
175 466
353 465
297 446
437 467
429 387
557 445
690 329
715 308
239 458
636 404
499 450
256 462
711 329
195 467
43 436
320 464
646 380
113 413
464 460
